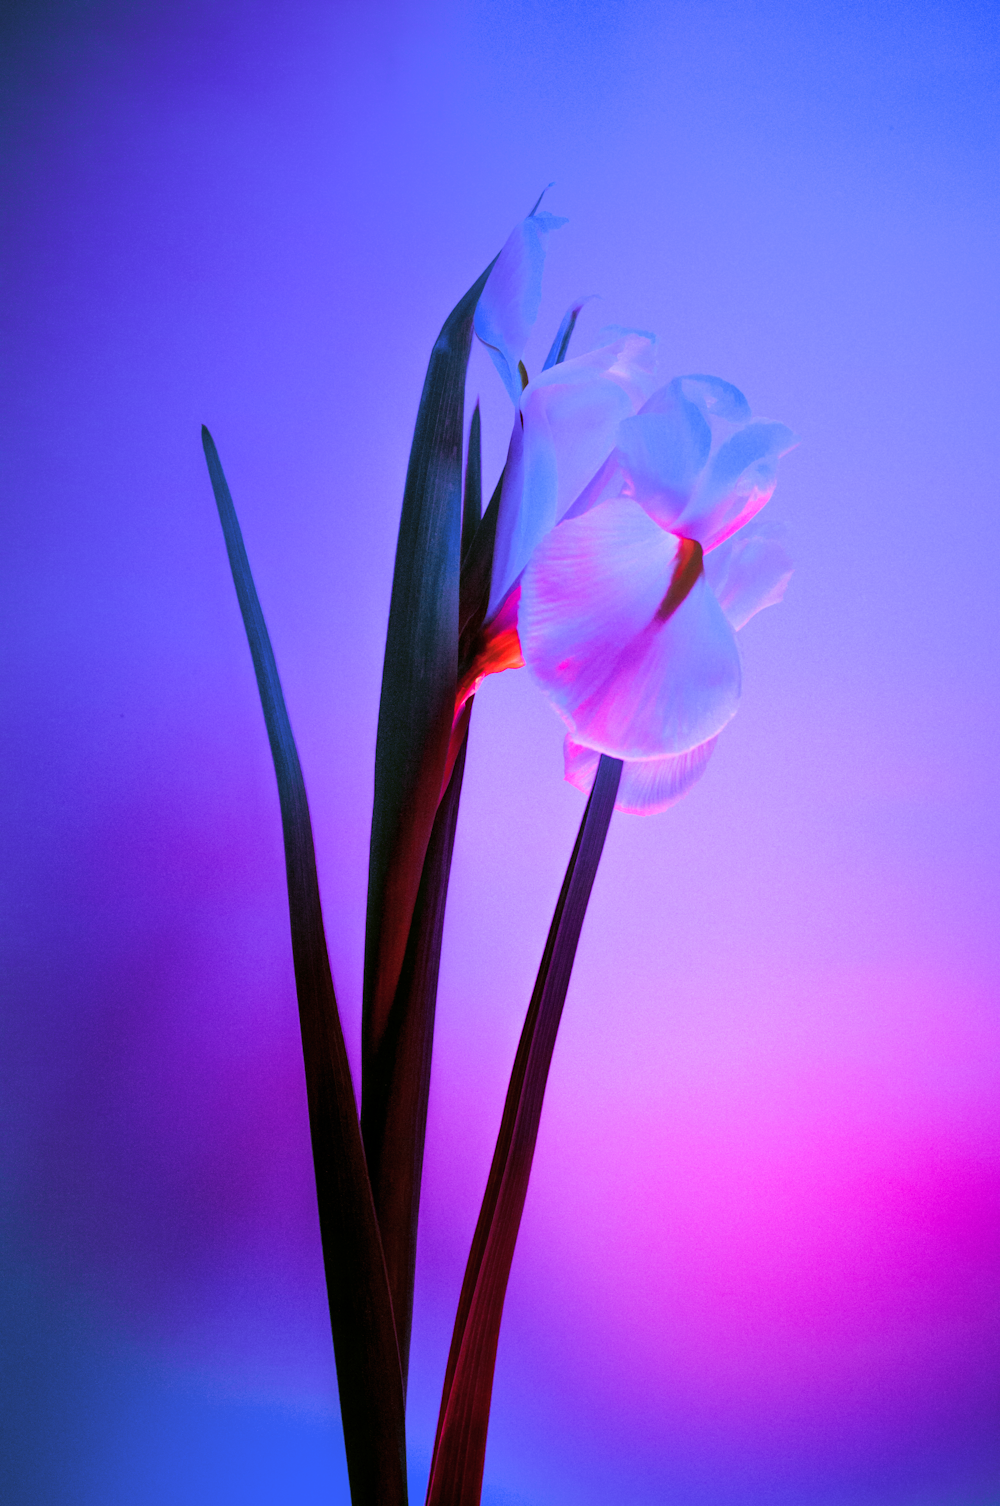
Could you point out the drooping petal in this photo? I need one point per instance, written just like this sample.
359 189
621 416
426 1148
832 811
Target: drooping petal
569 424
509 303
625 681
747 573
648 785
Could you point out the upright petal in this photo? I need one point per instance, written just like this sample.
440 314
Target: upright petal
736 483
570 416
747 573
662 451
648 785
509 303
697 462
720 401
625 681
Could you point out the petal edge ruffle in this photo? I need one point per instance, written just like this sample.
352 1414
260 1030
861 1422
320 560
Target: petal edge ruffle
648 786
749 572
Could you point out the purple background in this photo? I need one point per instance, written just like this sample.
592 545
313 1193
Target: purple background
759 1260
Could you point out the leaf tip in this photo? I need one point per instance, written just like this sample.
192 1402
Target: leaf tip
541 196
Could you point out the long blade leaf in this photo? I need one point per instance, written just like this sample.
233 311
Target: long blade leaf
396 1122
472 507
414 730
560 345
421 665
396 1125
460 1448
364 1336
477 565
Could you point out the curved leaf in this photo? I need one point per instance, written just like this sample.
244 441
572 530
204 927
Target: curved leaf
364 1336
472 507
395 1122
414 730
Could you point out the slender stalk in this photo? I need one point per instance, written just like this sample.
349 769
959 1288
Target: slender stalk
361 1317
460 1447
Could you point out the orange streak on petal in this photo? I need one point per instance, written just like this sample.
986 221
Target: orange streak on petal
496 647
687 568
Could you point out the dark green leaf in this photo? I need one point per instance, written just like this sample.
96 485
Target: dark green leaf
472 509
364 1337
394 1128
477 567
560 345
460 1448
394 1124
414 729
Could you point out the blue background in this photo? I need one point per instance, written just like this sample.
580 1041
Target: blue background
758 1262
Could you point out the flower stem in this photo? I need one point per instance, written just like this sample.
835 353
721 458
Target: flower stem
460 1447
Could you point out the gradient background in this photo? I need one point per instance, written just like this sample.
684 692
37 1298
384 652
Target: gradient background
759 1259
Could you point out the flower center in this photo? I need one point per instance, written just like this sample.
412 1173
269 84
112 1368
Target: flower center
687 568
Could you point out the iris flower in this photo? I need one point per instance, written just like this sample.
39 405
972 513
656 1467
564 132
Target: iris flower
626 560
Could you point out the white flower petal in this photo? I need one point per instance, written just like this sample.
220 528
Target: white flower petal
696 461
736 483
624 681
747 573
648 785
662 452
570 416
508 305
716 399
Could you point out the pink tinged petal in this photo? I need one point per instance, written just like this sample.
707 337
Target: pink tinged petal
648 785
696 461
747 573
508 306
737 482
628 680
570 416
